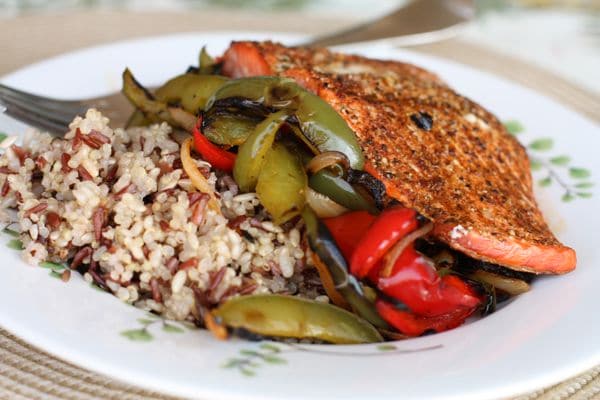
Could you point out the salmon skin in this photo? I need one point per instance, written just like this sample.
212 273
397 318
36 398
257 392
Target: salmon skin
435 150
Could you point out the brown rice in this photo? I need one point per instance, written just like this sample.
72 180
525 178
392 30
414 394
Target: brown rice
118 207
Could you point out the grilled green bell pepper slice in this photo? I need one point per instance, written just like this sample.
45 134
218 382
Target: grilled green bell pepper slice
281 186
270 91
322 243
229 130
252 153
295 317
143 100
158 108
206 63
340 191
320 125
191 91
327 130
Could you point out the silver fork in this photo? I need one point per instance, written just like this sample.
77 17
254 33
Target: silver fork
54 115
419 21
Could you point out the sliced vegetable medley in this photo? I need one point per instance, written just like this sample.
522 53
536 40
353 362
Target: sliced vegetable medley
374 257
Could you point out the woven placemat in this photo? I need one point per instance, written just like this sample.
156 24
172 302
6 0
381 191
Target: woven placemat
27 372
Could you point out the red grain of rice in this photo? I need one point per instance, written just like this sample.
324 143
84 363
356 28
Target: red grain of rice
98 279
6 171
93 264
64 161
98 221
173 265
193 197
165 168
20 153
80 256
231 291
274 267
191 263
216 278
154 285
98 137
84 174
52 220
90 142
230 184
111 174
40 162
164 225
35 209
127 189
236 222
94 139
247 289
198 210
5 188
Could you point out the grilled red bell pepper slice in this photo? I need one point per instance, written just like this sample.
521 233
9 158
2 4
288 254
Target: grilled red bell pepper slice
216 156
347 229
415 282
392 225
414 325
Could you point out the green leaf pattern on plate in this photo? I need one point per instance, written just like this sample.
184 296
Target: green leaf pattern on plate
15 244
11 232
579 173
386 347
55 269
560 160
514 127
249 360
574 181
543 144
144 334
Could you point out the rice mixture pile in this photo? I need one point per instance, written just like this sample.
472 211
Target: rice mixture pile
118 207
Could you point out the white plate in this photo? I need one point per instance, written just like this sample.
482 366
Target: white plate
542 337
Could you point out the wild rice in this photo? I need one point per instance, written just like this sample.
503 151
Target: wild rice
117 206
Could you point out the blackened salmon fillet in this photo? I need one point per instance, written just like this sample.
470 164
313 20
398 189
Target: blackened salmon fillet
435 150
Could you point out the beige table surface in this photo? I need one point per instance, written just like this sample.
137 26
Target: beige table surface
30 373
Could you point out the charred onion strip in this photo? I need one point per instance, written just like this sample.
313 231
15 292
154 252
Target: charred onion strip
392 256
328 283
198 180
322 205
186 120
326 160
511 286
